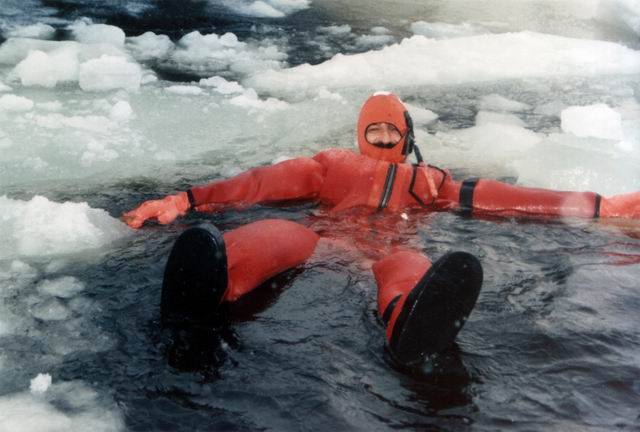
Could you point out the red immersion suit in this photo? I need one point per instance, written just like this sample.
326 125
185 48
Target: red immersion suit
377 180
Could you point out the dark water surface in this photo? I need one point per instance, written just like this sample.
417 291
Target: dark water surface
553 343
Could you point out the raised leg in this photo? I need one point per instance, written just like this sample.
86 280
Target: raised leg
206 267
425 305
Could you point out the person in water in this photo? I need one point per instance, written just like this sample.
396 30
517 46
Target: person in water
422 304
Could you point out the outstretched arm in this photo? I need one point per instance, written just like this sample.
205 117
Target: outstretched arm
299 178
484 196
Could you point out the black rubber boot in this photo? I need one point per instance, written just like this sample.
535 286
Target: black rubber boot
195 278
436 309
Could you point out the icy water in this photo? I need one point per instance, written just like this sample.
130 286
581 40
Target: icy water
95 120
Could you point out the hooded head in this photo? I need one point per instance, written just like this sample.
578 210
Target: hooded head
386 111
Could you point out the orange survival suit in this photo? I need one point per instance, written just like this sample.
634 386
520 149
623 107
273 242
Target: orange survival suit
376 180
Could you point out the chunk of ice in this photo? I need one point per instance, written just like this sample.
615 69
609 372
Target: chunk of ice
420 61
149 46
63 287
42 227
221 85
88 33
598 121
40 384
28 412
495 102
336 30
185 90
35 31
440 30
373 40
486 117
213 54
121 111
267 8
97 152
421 116
249 99
47 69
108 73
15 103
51 310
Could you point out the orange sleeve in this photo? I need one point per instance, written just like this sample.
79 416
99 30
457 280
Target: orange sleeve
485 196
299 178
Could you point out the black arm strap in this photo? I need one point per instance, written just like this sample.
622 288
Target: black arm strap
466 195
596 207
192 200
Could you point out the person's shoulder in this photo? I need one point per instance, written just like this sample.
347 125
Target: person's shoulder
334 154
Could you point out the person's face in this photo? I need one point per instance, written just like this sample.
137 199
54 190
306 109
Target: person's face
383 135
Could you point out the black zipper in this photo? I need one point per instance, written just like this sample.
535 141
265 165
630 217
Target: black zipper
388 186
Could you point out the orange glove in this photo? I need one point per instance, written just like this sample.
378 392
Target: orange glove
621 206
165 210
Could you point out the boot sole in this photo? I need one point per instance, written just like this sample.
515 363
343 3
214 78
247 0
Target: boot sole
195 277
436 309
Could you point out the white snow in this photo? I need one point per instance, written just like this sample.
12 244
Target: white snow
35 31
598 120
4 87
496 102
421 61
15 103
40 384
41 227
108 73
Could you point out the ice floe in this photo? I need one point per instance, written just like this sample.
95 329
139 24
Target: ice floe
421 61
41 411
35 31
108 73
40 384
438 30
267 8
42 227
598 121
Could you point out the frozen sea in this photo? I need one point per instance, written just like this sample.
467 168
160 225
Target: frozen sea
106 104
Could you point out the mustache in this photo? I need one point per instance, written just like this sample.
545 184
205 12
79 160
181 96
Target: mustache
384 145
